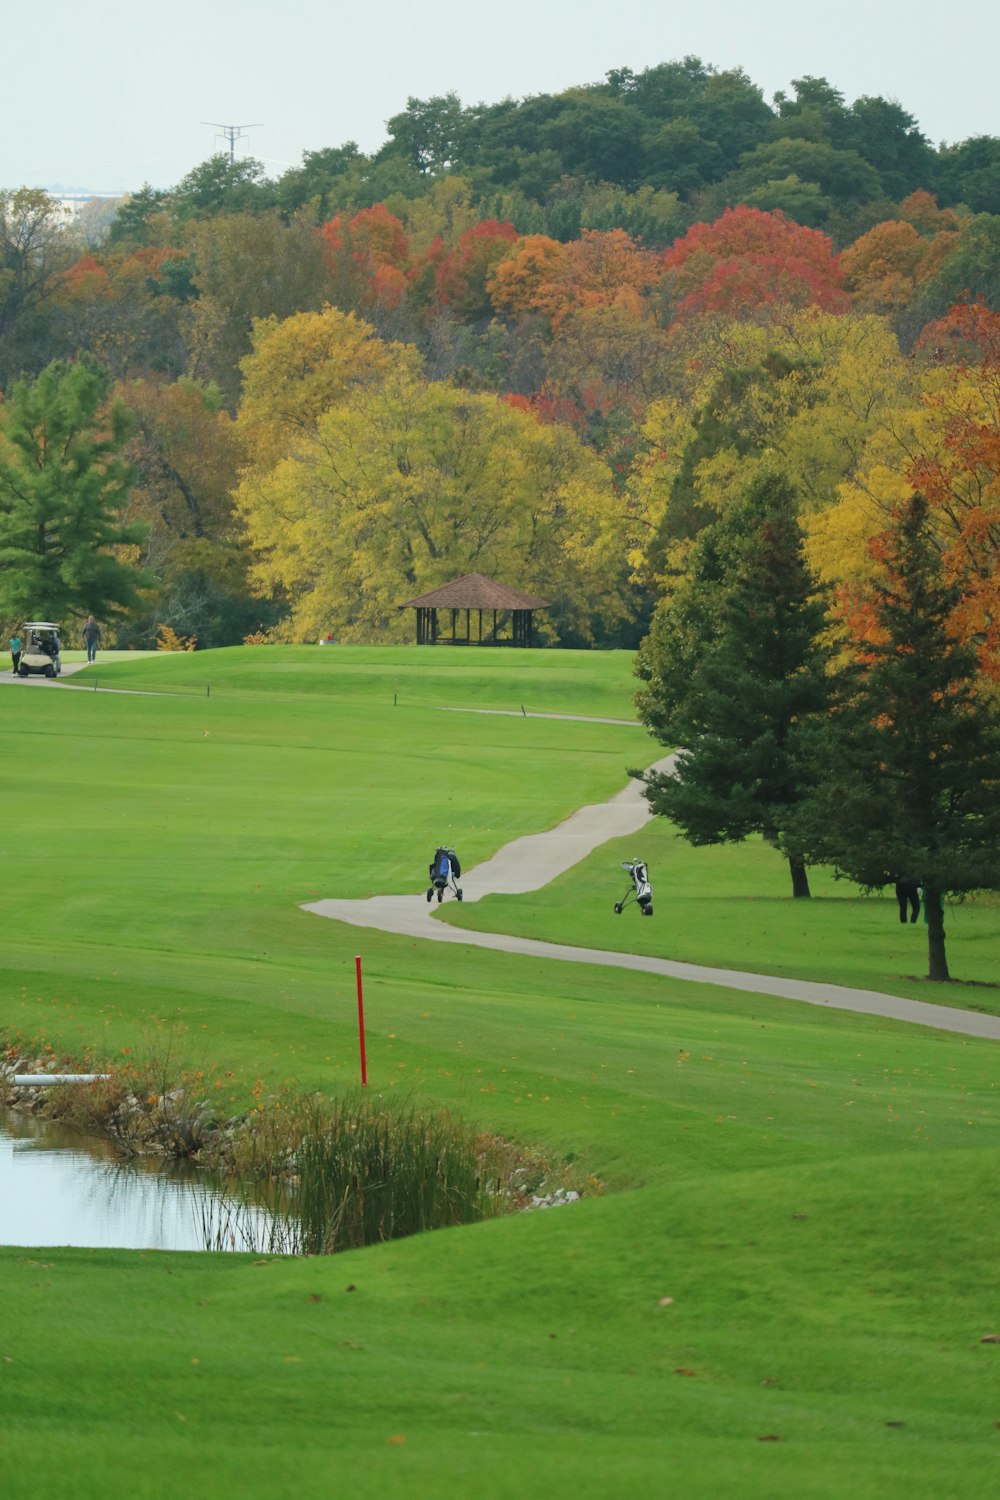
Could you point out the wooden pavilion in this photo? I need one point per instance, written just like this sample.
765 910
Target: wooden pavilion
475 594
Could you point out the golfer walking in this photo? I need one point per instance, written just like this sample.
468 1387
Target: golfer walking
91 637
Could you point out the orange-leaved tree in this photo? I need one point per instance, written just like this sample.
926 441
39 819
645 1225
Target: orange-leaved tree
462 277
961 478
368 257
884 267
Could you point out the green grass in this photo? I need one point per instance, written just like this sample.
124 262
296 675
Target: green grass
574 682
814 1191
729 907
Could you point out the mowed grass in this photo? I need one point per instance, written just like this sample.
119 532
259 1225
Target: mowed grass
573 682
729 906
782 1290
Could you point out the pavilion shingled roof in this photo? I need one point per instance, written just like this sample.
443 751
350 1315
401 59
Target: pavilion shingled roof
474 591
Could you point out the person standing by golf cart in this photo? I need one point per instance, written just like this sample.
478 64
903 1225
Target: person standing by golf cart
91 637
15 650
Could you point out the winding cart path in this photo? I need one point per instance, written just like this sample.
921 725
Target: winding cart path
529 863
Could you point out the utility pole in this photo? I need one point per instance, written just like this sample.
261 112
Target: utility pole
232 134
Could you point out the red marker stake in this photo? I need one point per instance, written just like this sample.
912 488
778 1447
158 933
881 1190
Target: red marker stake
361 1020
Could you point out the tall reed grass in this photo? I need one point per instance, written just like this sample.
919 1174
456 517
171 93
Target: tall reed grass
367 1173
309 1174
353 1171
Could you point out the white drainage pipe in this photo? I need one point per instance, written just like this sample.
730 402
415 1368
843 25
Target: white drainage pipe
36 1080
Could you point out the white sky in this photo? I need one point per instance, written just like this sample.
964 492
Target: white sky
106 96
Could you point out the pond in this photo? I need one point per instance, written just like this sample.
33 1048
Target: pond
60 1188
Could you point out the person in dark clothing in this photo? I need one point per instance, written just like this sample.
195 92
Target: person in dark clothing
15 650
908 894
91 637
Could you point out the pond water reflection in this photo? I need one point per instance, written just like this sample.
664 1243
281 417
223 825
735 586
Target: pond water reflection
58 1188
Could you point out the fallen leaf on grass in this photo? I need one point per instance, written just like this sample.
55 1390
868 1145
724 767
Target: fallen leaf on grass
666 1301
681 1371
397 1437
990 1338
769 1437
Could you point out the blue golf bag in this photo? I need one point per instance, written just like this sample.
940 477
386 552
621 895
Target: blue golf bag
444 870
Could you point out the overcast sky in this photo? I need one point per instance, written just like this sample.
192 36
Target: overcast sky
108 96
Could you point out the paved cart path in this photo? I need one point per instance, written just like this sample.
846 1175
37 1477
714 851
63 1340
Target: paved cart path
531 862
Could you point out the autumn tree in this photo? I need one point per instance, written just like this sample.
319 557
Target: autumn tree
939 436
125 309
885 266
910 759
463 276
734 673
248 266
748 259
808 391
960 478
297 368
407 483
368 259
185 459
63 485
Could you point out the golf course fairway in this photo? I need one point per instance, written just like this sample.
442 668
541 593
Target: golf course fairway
781 1278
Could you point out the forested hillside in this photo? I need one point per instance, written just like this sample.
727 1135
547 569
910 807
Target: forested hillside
548 340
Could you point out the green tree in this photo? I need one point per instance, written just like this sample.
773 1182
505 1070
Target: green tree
63 483
34 252
842 176
969 173
428 134
910 758
321 182
734 673
140 219
222 185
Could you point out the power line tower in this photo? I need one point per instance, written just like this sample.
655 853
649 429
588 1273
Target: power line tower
232 133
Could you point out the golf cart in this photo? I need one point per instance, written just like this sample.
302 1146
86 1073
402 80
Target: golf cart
40 651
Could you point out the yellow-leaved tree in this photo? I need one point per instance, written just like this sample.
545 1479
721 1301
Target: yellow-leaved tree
803 394
298 367
403 484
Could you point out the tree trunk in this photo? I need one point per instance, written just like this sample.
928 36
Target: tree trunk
937 963
800 880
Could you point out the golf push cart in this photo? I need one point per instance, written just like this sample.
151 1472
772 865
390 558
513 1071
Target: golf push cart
640 890
444 870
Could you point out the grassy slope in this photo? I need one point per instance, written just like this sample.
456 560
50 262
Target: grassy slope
814 1191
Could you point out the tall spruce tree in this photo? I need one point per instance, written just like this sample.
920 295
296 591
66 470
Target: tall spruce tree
63 484
734 672
911 754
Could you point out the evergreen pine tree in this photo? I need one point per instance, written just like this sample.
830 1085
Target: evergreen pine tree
911 789
63 484
735 671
